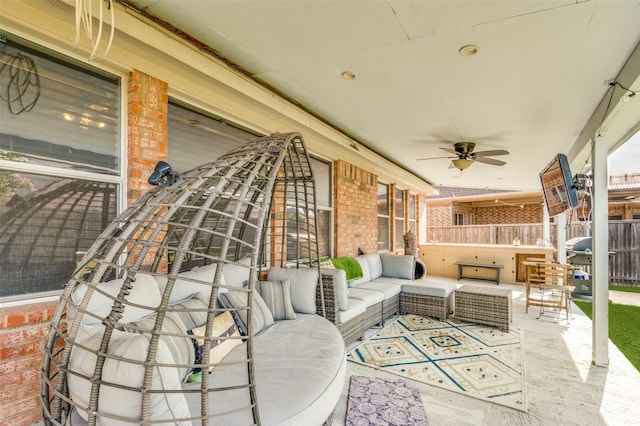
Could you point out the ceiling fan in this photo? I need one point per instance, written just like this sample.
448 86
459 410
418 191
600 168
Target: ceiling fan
466 157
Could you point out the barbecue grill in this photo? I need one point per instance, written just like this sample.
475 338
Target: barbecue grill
579 254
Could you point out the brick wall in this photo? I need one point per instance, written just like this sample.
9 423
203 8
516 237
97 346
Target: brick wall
22 333
23 328
355 209
530 213
148 103
439 213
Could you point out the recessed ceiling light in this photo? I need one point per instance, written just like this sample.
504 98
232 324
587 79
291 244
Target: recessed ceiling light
468 50
348 75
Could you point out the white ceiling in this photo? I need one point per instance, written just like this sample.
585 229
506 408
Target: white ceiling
538 77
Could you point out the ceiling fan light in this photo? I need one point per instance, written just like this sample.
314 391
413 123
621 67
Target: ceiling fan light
462 163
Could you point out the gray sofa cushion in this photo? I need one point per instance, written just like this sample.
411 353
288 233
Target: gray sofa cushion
396 281
366 275
300 369
388 289
303 286
375 266
237 274
356 307
193 311
369 297
398 266
428 288
342 292
144 294
128 352
277 296
261 316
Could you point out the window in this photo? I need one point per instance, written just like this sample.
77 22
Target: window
196 138
383 217
297 242
413 227
60 166
615 217
458 219
398 210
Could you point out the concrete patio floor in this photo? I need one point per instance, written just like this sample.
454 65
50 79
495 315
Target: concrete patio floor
562 385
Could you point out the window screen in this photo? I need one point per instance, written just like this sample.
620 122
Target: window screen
63 117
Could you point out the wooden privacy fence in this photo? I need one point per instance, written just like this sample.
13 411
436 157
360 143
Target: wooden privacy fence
624 241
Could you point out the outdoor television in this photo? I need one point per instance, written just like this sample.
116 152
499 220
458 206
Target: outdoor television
557 186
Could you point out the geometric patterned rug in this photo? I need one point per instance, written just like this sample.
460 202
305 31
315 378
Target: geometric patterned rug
472 359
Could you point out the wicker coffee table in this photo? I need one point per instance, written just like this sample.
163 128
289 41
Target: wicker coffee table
483 305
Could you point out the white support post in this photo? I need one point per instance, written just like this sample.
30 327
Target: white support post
561 237
600 246
546 223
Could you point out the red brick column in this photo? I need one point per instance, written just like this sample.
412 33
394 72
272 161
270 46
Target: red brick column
23 330
148 103
355 210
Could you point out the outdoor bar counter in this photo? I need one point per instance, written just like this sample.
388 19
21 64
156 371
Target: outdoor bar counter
442 259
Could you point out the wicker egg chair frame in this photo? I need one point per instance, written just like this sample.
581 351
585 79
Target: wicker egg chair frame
256 203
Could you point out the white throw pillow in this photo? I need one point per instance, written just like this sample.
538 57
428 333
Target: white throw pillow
144 292
222 328
304 282
132 349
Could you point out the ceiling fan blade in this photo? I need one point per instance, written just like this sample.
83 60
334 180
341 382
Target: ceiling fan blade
491 153
432 158
449 150
492 161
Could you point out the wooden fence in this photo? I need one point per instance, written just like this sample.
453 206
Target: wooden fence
624 241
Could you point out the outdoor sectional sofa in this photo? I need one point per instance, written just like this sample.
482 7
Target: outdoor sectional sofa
300 363
386 287
367 300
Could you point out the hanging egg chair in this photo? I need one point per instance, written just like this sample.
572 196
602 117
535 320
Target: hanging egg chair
149 290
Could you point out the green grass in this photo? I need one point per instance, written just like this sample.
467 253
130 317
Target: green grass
623 328
628 289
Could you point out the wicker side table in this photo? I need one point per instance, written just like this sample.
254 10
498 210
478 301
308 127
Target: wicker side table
483 305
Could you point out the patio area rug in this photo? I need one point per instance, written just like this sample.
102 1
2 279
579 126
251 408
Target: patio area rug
475 360
384 402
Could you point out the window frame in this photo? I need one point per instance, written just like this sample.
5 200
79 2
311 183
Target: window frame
399 217
412 213
119 178
384 216
458 219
